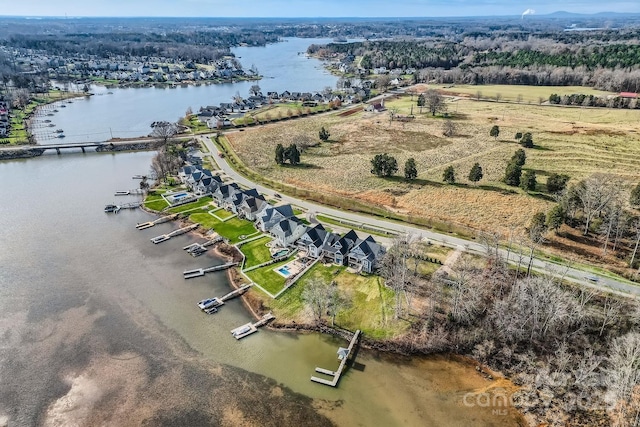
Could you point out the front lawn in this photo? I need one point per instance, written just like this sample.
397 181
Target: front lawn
204 202
268 278
231 229
256 252
155 202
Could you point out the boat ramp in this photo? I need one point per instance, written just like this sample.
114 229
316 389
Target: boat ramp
197 249
211 305
343 355
165 237
248 329
190 274
149 224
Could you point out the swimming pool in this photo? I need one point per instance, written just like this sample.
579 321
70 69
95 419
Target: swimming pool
284 271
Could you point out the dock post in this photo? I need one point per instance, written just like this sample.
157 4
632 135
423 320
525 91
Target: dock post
57 150
82 148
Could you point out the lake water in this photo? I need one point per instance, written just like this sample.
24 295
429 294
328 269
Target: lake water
98 327
129 112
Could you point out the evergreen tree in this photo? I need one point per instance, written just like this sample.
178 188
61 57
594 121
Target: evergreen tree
324 134
410 170
527 140
495 131
280 154
449 175
519 157
518 136
528 181
556 183
292 154
475 174
384 165
556 217
635 196
512 174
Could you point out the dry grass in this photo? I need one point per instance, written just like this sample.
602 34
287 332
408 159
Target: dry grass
511 92
575 141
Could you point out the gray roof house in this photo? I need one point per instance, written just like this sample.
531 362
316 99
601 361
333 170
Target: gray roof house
208 185
336 248
186 172
235 199
252 207
223 192
287 231
365 255
313 240
273 215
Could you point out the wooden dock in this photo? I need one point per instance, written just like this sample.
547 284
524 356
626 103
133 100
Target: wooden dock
197 249
149 224
227 297
250 328
128 192
190 274
343 355
132 205
165 237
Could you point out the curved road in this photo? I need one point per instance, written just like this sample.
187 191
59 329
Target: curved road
575 275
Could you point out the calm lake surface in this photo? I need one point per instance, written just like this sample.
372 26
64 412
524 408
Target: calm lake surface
129 112
98 327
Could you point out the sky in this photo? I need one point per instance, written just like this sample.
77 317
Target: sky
307 8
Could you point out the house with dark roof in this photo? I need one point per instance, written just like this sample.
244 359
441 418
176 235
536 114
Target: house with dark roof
208 185
223 192
365 255
196 177
336 248
313 240
286 232
235 199
186 172
252 207
273 215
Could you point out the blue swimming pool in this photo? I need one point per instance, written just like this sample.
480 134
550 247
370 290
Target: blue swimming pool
284 270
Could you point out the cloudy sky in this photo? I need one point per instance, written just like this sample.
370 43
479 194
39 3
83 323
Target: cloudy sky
306 8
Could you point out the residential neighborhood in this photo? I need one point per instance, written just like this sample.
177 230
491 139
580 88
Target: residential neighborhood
4 117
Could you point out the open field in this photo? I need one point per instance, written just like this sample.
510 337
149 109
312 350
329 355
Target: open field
278 111
371 309
575 141
256 252
529 94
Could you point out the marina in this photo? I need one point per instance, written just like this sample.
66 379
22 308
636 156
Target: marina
343 355
250 328
165 237
190 274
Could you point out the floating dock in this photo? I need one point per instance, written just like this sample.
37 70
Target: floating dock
197 249
149 224
248 329
165 237
219 302
190 274
343 355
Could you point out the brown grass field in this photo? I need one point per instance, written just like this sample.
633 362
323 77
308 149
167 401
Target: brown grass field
575 141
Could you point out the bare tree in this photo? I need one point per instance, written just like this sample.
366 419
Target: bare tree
448 128
610 312
164 131
382 82
397 273
255 90
595 193
435 101
636 227
316 295
623 374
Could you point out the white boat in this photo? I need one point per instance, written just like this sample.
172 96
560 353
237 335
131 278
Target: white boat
122 193
211 310
209 303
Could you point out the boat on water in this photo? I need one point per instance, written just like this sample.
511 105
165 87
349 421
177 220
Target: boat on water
111 208
61 135
47 121
208 303
211 310
59 130
63 106
122 193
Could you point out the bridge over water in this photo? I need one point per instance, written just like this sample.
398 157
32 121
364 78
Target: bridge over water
25 151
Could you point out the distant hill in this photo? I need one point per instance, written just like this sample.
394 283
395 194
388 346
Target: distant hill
565 14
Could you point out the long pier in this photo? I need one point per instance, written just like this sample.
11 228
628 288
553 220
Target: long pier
149 224
343 355
197 249
190 274
220 301
165 237
250 328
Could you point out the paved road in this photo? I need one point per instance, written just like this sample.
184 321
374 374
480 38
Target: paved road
572 274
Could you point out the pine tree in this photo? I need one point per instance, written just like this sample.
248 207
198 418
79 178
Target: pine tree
512 174
528 181
410 170
280 154
556 217
495 131
324 134
475 174
449 175
635 196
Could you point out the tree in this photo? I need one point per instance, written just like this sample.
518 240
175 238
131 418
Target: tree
421 102
475 174
556 217
324 134
410 170
280 154
518 136
164 131
434 102
449 175
528 181
527 140
634 199
495 131
255 90
623 375
448 128
316 295
512 174
292 154
382 82
383 165
397 273
594 194
556 182
519 157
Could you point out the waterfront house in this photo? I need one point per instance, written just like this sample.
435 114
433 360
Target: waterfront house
223 192
313 240
252 207
336 249
287 231
208 185
196 177
273 215
365 255
235 199
186 172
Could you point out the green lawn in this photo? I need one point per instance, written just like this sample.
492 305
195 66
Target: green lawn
155 202
269 279
256 252
370 302
231 229
204 202
223 213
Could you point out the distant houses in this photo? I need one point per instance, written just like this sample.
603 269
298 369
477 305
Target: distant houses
4 118
280 222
